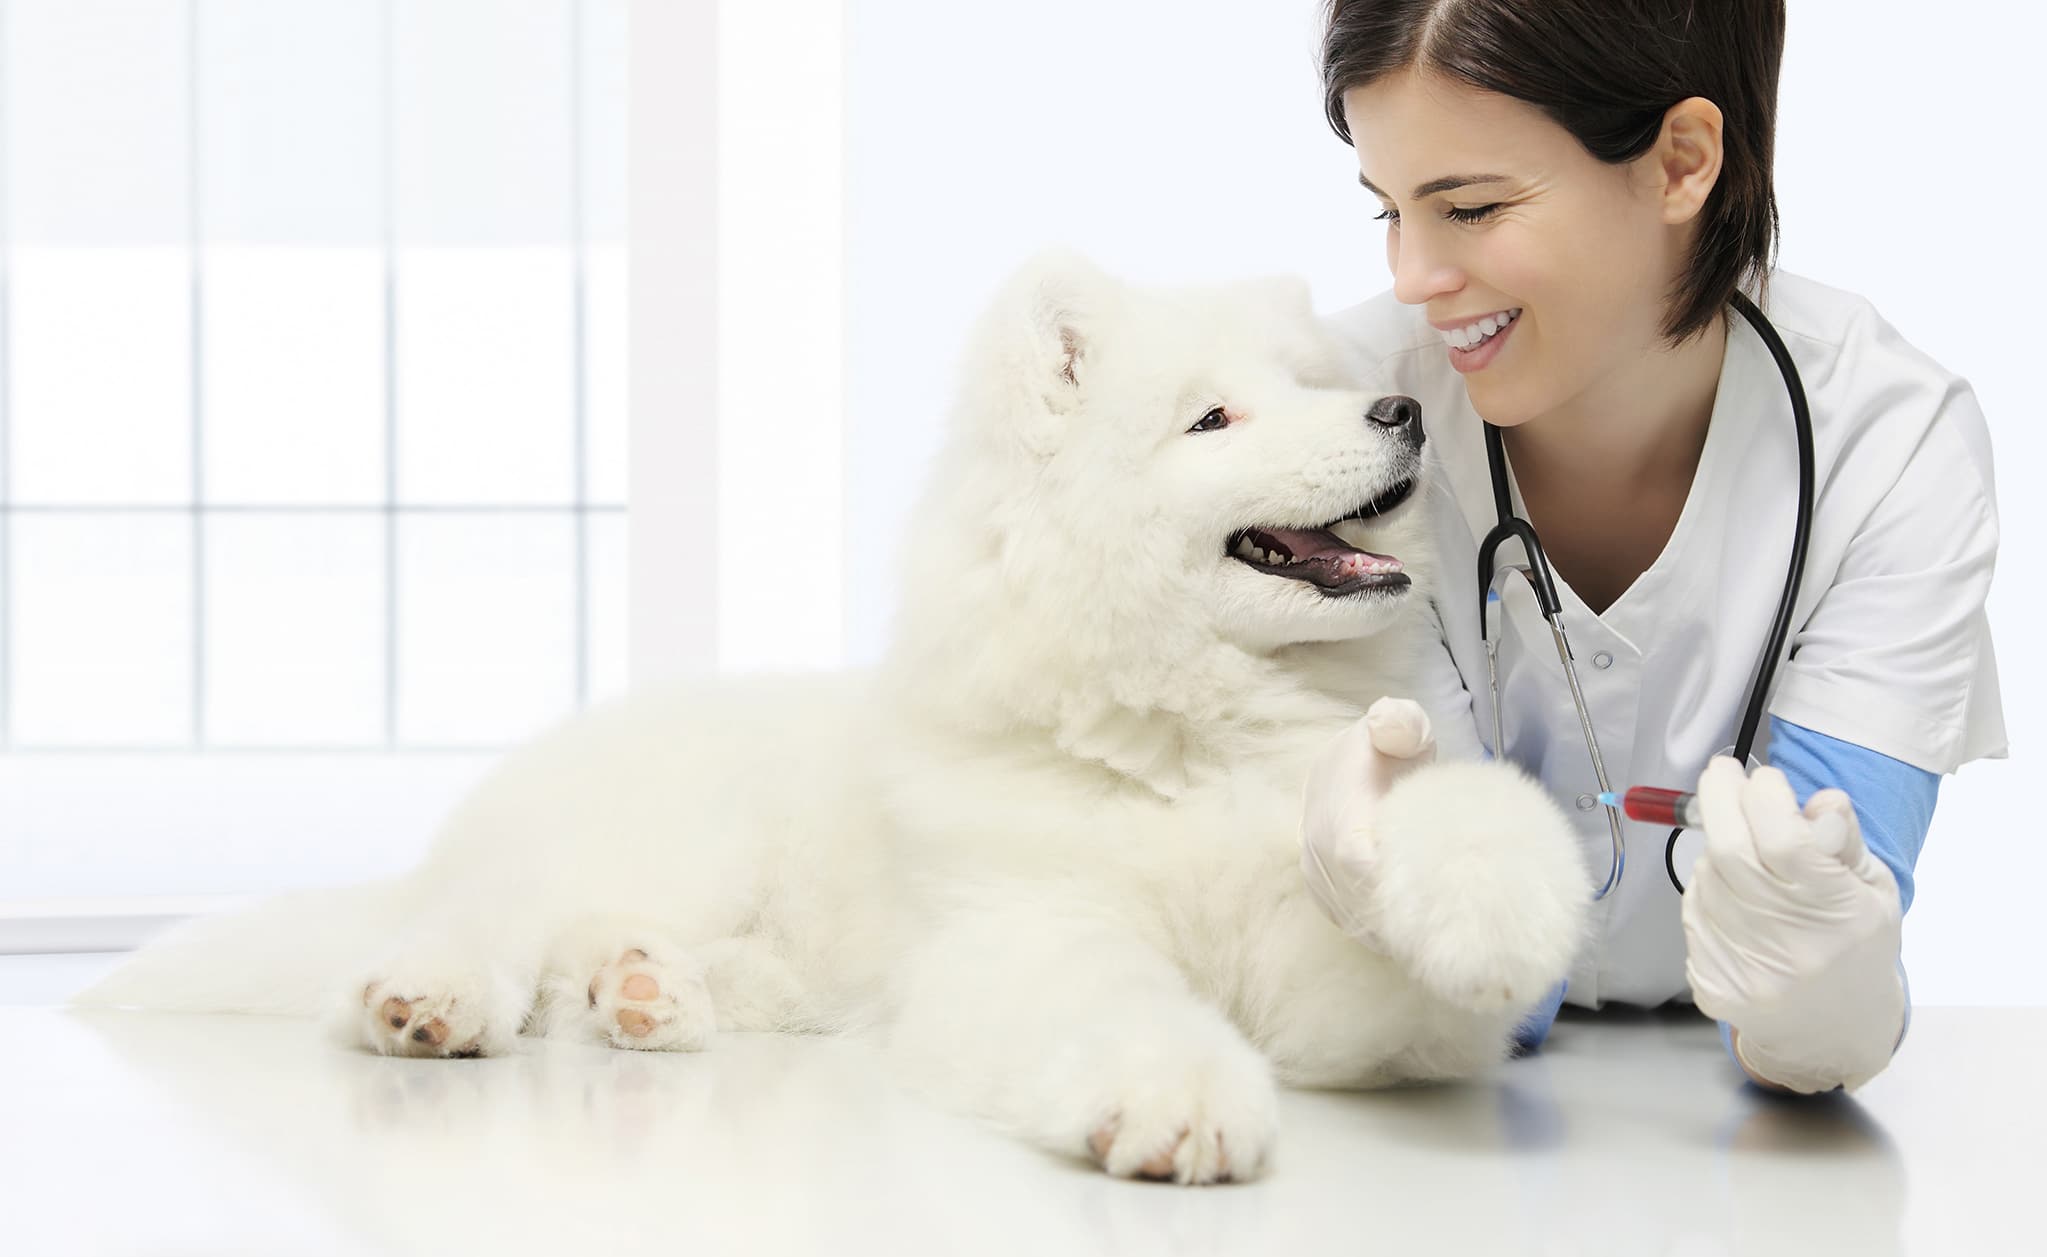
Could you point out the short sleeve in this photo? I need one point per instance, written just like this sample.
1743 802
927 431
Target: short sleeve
1896 655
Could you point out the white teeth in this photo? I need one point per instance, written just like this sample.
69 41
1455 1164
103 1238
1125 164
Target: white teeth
1374 567
1358 563
1247 549
1471 335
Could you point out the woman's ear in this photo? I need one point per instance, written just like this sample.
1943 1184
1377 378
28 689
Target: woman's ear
1688 157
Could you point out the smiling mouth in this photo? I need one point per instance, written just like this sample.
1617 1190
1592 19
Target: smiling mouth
1319 558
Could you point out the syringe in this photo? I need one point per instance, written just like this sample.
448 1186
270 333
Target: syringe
1658 806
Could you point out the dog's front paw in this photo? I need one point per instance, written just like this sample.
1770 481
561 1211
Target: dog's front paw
1482 893
1201 1121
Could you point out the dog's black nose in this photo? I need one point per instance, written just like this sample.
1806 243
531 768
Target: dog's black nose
1402 414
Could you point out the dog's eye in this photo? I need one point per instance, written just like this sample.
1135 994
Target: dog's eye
1211 421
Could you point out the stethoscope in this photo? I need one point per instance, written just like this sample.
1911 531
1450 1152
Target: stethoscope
1538 578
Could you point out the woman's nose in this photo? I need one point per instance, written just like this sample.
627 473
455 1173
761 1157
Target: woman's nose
1419 274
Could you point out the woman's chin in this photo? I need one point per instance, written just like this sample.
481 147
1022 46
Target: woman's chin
1498 407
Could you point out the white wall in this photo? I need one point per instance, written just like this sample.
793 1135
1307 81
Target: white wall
1168 141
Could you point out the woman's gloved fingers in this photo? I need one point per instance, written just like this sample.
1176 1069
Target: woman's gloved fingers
1339 854
1834 824
1335 792
1342 895
1831 799
1689 905
1729 844
1838 831
1712 963
1400 728
1830 839
1783 835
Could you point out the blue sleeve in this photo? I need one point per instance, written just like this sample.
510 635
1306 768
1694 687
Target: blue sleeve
1528 1036
1893 804
1893 800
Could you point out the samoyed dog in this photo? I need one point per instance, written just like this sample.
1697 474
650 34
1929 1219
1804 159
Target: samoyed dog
1047 853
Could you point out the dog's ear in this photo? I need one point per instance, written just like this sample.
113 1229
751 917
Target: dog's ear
1063 300
1031 357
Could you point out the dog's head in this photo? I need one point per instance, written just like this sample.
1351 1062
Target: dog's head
1148 494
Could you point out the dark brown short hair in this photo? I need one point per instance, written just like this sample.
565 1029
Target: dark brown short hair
1606 71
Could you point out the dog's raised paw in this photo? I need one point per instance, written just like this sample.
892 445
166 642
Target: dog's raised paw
1481 893
643 1002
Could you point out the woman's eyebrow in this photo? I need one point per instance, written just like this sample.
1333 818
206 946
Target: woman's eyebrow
1444 184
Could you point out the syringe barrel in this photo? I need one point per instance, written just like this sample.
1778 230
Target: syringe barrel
1657 806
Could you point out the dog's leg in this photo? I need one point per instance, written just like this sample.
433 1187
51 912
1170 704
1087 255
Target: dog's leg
1064 1027
1330 1012
626 982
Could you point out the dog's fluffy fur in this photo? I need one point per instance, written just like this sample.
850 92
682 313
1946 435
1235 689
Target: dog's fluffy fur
1047 853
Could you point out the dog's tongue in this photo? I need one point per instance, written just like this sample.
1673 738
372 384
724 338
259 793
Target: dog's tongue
1323 546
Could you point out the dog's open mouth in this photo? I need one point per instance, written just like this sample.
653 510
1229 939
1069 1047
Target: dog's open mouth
1318 557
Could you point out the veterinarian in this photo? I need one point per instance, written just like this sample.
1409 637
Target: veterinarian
1574 192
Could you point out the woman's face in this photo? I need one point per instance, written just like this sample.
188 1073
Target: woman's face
1586 251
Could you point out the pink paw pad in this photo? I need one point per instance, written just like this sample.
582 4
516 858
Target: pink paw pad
634 1000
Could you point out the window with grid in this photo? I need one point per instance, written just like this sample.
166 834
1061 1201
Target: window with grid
312 424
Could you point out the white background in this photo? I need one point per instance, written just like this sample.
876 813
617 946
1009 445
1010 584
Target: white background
208 206
1174 141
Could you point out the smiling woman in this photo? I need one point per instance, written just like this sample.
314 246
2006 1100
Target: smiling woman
1575 192
1588 92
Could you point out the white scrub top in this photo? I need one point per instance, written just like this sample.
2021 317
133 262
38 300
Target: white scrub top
1889 645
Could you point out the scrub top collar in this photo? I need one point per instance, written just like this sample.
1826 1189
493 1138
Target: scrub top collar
1743 394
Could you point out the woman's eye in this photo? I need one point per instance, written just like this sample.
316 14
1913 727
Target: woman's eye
1211 421
1461 215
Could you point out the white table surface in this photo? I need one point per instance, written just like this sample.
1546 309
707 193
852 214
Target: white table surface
1631 1133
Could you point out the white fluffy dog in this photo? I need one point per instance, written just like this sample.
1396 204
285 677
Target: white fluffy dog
1047 852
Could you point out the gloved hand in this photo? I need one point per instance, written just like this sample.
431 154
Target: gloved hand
1792 932
1390 740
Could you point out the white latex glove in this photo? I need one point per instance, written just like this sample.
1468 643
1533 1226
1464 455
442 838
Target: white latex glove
1390 740
1792 932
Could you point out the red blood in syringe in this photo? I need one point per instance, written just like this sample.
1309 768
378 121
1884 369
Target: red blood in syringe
1654 805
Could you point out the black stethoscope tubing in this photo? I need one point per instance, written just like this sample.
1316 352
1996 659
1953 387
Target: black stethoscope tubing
1512 526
